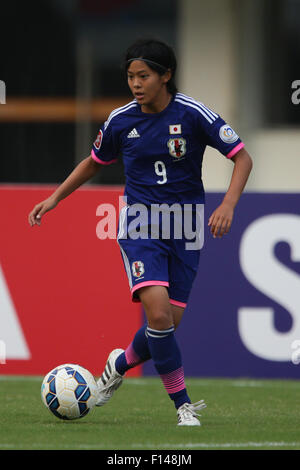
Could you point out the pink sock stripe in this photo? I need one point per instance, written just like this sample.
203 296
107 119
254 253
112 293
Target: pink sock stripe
131 356
149 283
98 160
174 381
235 150
179 304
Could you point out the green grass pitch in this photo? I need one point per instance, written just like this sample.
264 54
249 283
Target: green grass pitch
240 414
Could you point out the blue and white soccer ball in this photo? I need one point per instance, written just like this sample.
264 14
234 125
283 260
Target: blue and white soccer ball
69 391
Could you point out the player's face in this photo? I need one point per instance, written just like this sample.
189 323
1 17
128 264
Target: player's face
148 87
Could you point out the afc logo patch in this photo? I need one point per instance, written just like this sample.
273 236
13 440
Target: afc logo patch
98 141
177 147
228 135
138 268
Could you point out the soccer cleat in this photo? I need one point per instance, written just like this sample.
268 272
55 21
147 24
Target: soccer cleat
110 380
187 415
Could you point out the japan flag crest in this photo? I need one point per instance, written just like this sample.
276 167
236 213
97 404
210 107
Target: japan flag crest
138 268
177 147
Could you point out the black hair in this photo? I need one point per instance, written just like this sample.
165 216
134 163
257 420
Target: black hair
159 57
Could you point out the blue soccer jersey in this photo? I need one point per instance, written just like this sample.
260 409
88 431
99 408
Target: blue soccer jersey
163 152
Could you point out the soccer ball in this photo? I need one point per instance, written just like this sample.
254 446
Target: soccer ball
69 391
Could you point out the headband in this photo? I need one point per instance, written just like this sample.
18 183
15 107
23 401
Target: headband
148 61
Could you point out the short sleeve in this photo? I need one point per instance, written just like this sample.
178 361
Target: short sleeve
105 149
218 134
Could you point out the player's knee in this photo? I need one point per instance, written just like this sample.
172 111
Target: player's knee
160 319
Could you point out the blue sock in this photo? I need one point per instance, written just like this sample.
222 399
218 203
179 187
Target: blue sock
167 360
136 353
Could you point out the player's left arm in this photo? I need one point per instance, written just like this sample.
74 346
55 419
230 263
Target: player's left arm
221 219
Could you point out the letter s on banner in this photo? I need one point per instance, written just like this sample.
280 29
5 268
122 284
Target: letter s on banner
275 280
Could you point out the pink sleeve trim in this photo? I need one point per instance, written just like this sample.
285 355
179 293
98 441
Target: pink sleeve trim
235 150
179 304
98 160
149 283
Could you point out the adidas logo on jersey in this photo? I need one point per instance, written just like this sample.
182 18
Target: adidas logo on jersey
134 133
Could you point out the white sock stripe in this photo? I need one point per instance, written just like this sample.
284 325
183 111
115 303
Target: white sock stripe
159 333
157 336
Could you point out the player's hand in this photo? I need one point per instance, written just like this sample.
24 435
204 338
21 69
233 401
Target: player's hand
39 210
221 219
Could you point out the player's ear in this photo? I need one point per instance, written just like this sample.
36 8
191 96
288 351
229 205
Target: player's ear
167 76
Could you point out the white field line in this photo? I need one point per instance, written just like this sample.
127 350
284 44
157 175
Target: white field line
205 383
196 382
164 446
221 445
21 378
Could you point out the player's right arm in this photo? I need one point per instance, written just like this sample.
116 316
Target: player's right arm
84 171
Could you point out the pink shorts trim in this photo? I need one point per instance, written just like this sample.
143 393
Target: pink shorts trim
98 160
235 150
179 304
147 283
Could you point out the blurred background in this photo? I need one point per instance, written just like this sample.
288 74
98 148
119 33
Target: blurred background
61 63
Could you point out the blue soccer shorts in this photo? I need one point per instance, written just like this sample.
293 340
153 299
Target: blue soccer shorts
158 250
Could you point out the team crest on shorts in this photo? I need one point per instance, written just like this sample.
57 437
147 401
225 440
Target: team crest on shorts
138 268
177 147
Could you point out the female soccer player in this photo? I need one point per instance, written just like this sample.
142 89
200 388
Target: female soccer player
162 135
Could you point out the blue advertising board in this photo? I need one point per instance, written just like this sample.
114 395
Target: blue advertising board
243 314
